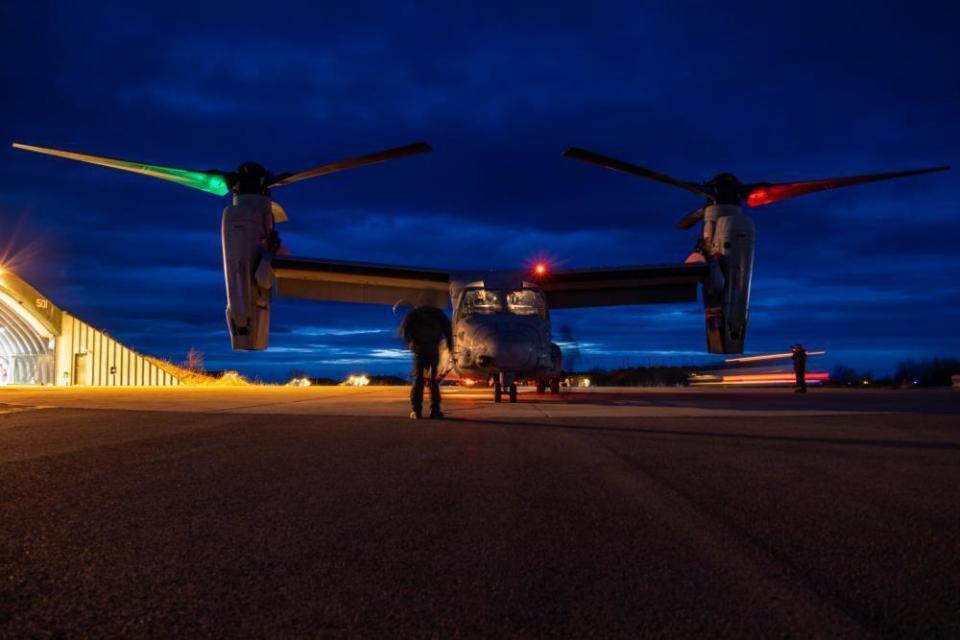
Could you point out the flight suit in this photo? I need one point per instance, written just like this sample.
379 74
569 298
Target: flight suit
423 328
800 367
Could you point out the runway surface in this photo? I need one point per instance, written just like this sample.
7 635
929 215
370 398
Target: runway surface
279 512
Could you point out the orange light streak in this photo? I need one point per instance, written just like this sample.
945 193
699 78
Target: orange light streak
771 356
756 378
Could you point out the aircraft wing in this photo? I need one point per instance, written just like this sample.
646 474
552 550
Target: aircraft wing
623 285
342 281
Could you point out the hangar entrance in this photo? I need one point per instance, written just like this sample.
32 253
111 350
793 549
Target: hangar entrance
26 346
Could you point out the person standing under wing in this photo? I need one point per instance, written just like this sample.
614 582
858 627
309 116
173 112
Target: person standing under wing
423 328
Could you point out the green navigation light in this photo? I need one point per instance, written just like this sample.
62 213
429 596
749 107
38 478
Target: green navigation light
210 182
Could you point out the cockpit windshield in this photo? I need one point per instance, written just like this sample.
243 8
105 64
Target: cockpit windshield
525 302
482 301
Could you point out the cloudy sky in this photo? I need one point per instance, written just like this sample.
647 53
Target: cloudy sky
499 90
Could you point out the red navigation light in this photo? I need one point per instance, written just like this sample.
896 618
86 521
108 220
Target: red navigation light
540 269
758 197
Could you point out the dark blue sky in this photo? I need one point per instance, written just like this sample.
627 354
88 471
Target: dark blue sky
767 91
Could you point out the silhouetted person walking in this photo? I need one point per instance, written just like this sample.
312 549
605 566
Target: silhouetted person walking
423 328
800 367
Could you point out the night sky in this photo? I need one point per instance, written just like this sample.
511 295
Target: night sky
765 91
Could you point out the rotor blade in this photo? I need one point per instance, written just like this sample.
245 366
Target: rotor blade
765 193
690 219
210 181
632 169
353 163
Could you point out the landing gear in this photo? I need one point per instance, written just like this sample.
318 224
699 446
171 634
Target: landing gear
555 385
541 387
505 381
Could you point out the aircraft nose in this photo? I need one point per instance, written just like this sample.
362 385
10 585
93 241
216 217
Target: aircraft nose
506 348
514 352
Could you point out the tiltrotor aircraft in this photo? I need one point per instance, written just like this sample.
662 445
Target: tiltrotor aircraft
501 319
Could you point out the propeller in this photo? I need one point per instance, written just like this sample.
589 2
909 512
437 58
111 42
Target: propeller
632 169
571 355
214 182
249 178
352 163
759 194
690 219
726 188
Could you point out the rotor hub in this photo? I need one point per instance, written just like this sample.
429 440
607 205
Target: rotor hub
251 178
726 188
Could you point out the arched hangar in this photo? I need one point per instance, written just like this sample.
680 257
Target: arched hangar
44 345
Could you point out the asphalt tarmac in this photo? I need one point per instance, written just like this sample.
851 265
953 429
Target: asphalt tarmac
278 512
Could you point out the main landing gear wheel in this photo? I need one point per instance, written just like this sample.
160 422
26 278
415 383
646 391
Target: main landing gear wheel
513 392
541 386
498 392
555 385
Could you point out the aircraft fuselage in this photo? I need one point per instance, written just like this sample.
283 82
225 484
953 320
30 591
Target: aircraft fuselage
501 330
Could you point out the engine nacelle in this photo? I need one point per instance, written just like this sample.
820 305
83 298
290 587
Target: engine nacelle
246 235
730 236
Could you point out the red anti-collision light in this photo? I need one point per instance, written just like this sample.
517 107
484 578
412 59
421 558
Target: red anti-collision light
540 269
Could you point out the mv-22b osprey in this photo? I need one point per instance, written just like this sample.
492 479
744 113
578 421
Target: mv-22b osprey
501 320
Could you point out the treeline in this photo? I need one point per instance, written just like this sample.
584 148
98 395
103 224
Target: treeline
937 372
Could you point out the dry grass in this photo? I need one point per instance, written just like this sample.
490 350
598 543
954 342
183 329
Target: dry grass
188 377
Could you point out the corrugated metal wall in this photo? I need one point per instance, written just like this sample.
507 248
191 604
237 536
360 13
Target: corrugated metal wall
41 344
99 360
